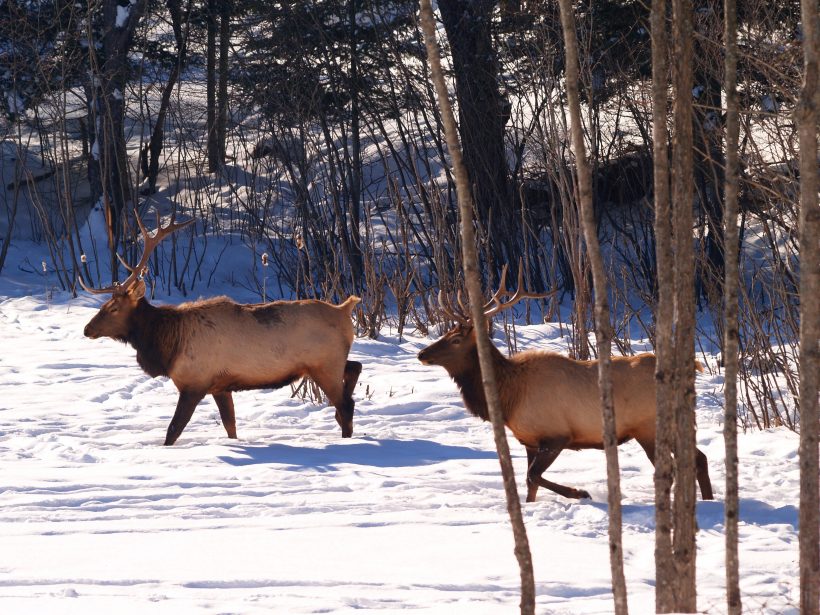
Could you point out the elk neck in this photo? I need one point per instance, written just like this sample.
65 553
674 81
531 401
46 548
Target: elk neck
156 335
468 380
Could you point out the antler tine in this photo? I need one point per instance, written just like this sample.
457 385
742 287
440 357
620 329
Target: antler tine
151 242
520 293
449 311
502 290
95 291
463 309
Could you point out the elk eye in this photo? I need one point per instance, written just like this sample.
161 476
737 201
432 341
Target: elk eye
456 341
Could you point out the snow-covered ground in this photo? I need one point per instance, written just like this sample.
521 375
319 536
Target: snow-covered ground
96 516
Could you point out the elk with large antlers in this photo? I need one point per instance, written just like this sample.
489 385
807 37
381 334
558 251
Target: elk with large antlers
551 402
216 346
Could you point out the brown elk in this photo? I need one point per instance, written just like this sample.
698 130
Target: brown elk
551 402
216 346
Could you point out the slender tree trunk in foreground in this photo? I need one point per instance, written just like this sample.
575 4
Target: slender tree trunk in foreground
730 294
664 562
808 115
683 506
603 328
473 282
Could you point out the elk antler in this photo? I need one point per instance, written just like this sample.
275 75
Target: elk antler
151 242
520 294
457 315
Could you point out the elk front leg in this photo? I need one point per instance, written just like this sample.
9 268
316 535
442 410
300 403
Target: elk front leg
339 391
186 404
224 401
539 460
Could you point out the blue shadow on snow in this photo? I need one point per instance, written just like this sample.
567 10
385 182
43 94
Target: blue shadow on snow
711 515
365 451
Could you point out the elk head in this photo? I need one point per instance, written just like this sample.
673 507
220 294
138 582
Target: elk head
456 350
113 319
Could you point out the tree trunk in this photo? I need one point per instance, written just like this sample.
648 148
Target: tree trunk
683 509
225 11
108 164
731 336
211 87
710 158
473 282
154 146
482 116
664 314
603 328
355 167
808 116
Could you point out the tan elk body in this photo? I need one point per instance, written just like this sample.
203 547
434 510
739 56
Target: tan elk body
551 402
216 346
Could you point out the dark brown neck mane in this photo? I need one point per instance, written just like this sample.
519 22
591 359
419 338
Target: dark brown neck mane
155 334
471 387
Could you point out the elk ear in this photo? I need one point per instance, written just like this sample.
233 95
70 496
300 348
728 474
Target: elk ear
137 291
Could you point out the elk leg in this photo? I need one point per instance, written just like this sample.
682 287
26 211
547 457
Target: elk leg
702 468
540 459
334 387
352 371
649 449
224 401
186 404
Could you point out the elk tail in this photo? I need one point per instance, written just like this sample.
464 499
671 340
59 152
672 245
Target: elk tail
350 303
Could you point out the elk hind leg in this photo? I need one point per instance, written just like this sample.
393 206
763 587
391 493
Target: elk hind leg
353 370
224 401
186 404
702 469
334 385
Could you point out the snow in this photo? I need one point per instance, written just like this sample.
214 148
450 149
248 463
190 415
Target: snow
408 515
123 13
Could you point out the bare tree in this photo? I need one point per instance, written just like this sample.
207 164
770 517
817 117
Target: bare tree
730 286
664 561
808 115
153 149
603 327
225 12
473 282
683 508
674 551
482 117
108 162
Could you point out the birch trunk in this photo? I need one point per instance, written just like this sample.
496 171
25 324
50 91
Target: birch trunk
603 328
664 562
683 507
731 336
808 115
473 282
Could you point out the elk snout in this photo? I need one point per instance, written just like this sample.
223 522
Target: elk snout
424 357
89 331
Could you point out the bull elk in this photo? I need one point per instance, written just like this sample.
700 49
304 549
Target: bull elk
216 346
551 402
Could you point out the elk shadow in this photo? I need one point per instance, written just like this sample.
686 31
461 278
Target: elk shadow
364 451
711 515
